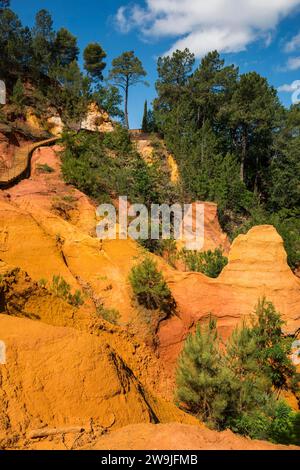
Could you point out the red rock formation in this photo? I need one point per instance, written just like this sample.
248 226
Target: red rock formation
257 267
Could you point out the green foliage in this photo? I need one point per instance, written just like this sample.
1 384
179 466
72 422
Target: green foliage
285 426
272 348
50 59
145 118
235 388
107 166
109 314
70 94
234 143
166 248
93 61
109 99
208 262
65 49
279 424
42 283
18 97
44 168
62 289
201 382
127 70
42 41
150 288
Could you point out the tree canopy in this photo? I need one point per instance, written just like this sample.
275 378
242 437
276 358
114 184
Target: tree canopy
94 63
127 70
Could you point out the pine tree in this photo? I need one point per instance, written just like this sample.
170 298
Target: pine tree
43 41
109 99
145 118
65 49
127 70
202 381
94 63
150 288
18 96
272 349
251 388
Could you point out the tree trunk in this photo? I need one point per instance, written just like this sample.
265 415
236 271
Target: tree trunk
126 106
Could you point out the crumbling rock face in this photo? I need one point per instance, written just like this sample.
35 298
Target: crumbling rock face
62 378
97 120
21 296
10 142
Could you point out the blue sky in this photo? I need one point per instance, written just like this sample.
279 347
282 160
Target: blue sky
260 35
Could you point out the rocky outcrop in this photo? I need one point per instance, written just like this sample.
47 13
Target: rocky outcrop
97 120
10 143
148 145
257 268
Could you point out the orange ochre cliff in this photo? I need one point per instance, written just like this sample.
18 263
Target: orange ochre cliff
72 380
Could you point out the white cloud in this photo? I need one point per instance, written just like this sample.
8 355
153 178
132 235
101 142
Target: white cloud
293 44
293 63
289 88
203 25
121 20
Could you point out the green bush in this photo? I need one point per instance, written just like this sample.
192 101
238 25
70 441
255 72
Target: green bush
110 315
279 424
62 289
285 426
208 262
107 166
236 388
150 288
44 168
255 425
163 247
272 348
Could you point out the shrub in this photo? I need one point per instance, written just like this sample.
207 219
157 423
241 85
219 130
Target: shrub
150 288
208 262
278 423
285 426
235 389
255 425
42 283
107 166
44 168
62 289
165 248
272 348
111 315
